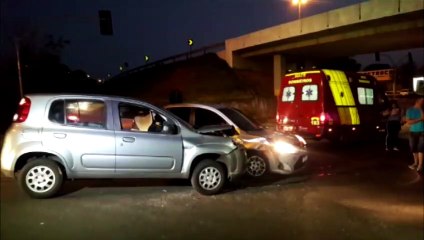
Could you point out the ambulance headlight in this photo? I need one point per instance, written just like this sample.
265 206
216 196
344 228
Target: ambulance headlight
283 147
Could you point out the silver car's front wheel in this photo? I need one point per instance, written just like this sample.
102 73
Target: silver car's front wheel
256 166
41 178
208 177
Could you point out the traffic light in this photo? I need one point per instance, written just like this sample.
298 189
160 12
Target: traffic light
105 20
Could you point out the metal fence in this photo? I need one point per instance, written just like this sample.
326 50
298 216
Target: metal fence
176 58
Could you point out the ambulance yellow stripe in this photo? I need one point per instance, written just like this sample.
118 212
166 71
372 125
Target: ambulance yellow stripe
343 97
302 74
348 115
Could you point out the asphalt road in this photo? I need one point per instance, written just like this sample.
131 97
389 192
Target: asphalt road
355 192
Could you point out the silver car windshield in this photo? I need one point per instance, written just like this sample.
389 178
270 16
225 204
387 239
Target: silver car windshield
241 120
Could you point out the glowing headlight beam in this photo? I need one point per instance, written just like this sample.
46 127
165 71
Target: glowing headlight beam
300 139
284 147
256 140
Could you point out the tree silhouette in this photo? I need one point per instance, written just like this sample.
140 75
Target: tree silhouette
42 71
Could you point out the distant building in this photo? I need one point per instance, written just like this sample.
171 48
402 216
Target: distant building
382 74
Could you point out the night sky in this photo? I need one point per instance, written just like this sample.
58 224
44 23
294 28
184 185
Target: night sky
158 28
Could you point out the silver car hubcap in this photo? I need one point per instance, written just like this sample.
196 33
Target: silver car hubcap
256 166
209 178
40 179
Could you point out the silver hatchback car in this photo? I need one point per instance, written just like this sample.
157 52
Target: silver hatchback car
58 137
267 151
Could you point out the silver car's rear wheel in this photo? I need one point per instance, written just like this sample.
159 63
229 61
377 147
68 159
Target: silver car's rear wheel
256 166
41 178
208 177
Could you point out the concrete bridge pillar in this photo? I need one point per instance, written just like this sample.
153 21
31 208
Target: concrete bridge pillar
280 68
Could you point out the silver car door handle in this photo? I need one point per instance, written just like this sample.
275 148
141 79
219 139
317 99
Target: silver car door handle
128 139
59 135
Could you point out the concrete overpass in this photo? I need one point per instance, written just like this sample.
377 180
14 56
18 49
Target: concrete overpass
367 27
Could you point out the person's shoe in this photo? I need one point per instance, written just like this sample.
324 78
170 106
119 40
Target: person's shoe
387 149
419 169
395 149
413 167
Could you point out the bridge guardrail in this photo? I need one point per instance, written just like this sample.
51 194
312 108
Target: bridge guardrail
175 58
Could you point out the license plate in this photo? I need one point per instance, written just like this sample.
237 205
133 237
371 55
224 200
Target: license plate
287 128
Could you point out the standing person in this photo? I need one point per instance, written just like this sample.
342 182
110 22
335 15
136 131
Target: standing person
415 118
393 126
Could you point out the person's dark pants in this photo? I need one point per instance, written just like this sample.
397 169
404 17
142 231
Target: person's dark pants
392 137
416 142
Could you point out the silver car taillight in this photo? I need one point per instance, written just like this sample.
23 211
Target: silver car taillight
23 110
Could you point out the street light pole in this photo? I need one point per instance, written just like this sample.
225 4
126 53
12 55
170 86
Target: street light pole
299 6
18 63
299 10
